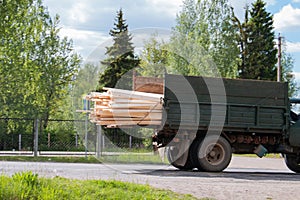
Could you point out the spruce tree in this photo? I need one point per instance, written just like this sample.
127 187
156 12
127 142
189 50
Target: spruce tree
121 58
258 51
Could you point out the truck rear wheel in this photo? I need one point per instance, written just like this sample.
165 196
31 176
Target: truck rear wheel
213 154
193 155
292 162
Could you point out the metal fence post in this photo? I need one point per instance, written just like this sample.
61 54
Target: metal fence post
99 141
49 140
76 140
130 141
36 137
20 142
86 135
103 142
86 106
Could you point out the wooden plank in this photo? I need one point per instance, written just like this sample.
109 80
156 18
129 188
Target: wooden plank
129 115
125 108
120 119
136 106
133 110
111 123
100 107
134 94
130 101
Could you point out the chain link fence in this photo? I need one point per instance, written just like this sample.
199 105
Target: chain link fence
67 135
16 134
61 135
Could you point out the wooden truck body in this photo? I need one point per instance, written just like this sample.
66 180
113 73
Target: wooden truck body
205 120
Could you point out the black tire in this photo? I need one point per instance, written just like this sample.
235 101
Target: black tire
213 154
171 154
292 162
193 152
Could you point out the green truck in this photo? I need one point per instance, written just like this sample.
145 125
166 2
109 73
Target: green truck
205 120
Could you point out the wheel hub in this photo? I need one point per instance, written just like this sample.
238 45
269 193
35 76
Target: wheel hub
212 153
215 154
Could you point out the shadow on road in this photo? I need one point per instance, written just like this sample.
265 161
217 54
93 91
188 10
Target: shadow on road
244 175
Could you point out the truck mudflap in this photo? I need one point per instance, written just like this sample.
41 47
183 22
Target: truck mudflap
178 150
178 154
294 137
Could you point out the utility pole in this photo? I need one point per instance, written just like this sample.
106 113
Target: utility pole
279 59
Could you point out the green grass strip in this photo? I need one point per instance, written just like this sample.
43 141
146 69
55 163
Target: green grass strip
27 185
127 158
65 159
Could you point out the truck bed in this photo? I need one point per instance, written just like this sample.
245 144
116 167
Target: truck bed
233 104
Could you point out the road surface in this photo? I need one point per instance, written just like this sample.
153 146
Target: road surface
245 178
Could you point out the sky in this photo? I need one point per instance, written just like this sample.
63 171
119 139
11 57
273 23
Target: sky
87 22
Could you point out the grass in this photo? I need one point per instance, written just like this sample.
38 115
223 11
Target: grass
27 185
129 158
123 158
269 155
73 159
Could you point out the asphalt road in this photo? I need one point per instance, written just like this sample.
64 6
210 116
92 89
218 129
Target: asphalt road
245 178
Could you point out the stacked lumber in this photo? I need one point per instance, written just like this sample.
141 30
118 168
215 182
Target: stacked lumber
116 108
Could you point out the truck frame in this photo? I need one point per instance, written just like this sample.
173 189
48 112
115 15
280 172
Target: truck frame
205 120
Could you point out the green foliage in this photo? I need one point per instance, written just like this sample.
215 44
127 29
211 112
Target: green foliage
27 178
86 81
61 136
22 186
121 58
256 40
202 41
258 51
28 186
58 65
37 66
9 134
154 58
287 64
